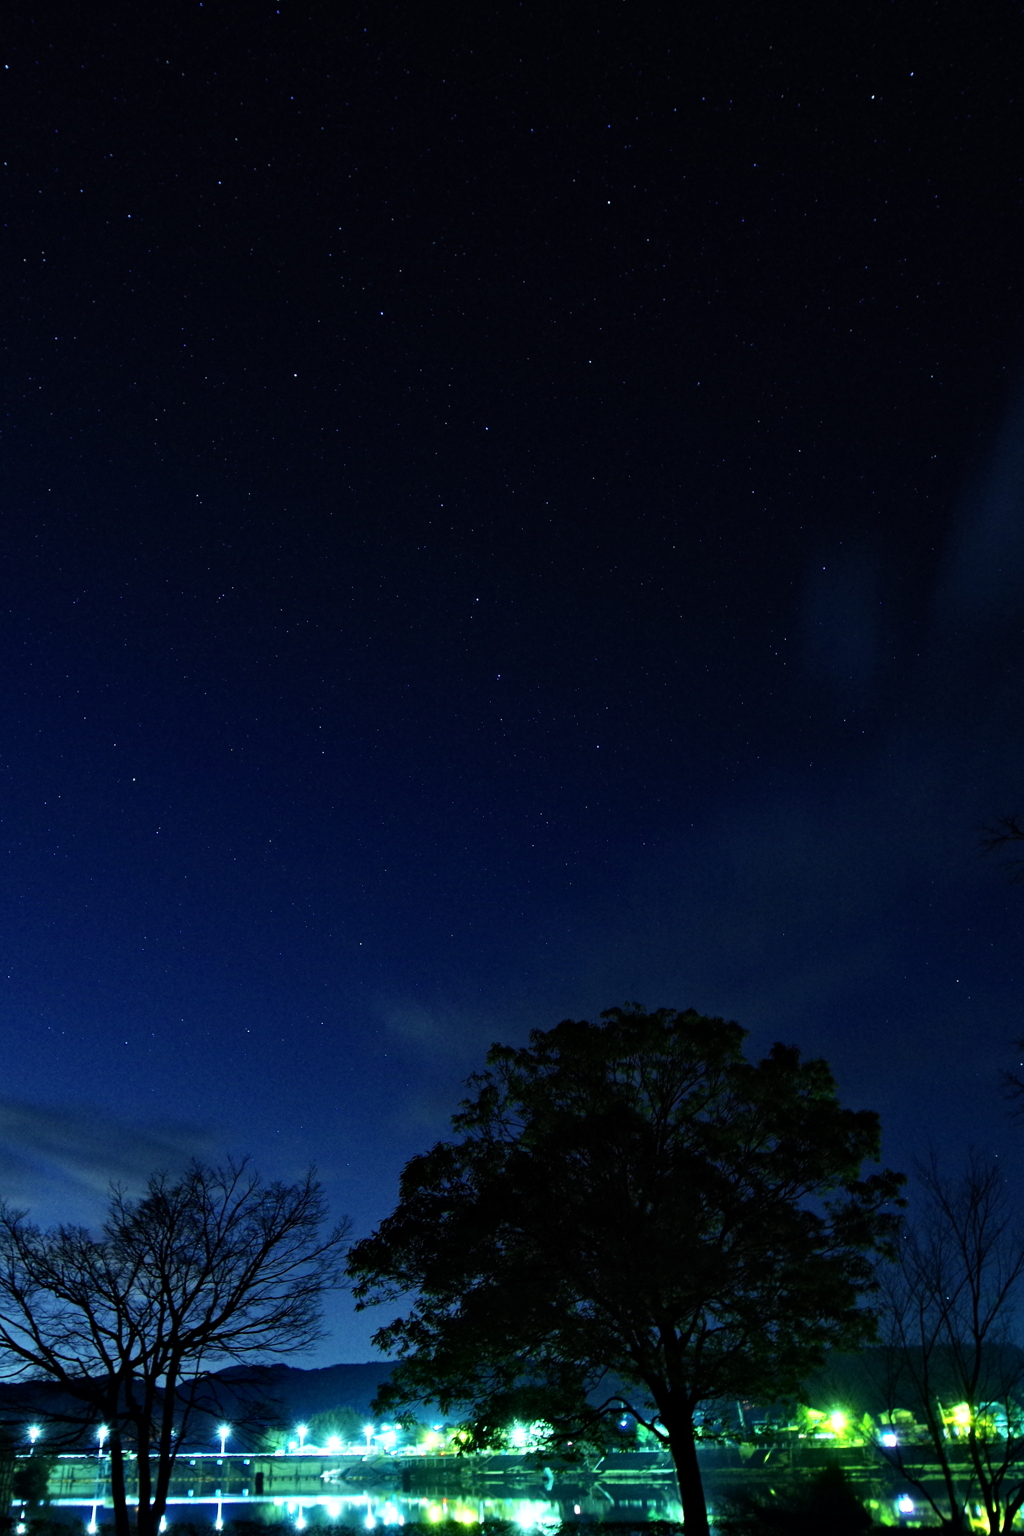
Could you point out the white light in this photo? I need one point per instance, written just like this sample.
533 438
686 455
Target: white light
223 1431
34 1433
905 1504
889 1439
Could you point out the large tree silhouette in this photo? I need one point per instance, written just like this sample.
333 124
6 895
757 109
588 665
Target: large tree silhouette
633 1217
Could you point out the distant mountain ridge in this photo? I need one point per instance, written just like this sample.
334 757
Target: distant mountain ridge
251 1398
301 1392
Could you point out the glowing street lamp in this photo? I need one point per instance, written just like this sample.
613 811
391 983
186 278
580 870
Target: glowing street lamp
33 1434
368 1432
101 1435
302 1430
223 1431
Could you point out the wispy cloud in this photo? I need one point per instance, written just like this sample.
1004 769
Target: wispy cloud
985 558
844 904
59 1160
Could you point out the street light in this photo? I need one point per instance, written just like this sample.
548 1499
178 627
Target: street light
224 1431
33 1434
101 1435
368 1432
302 1430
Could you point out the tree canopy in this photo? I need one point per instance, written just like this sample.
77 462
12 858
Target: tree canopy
633 1216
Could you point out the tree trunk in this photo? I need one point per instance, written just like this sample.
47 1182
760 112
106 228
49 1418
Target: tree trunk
143 1522
118 1495
683 1445
166 1450
957 1516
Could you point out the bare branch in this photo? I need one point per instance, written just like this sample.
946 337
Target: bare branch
1006 830
210 1267
950 1311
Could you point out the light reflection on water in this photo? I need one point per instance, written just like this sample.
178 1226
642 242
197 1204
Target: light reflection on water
388 1511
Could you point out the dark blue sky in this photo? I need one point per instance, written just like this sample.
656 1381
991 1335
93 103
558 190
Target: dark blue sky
503 513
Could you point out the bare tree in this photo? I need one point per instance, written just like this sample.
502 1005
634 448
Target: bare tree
1005 831
213 1267
950 1350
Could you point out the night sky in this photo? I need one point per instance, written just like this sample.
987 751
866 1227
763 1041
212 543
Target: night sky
506 509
